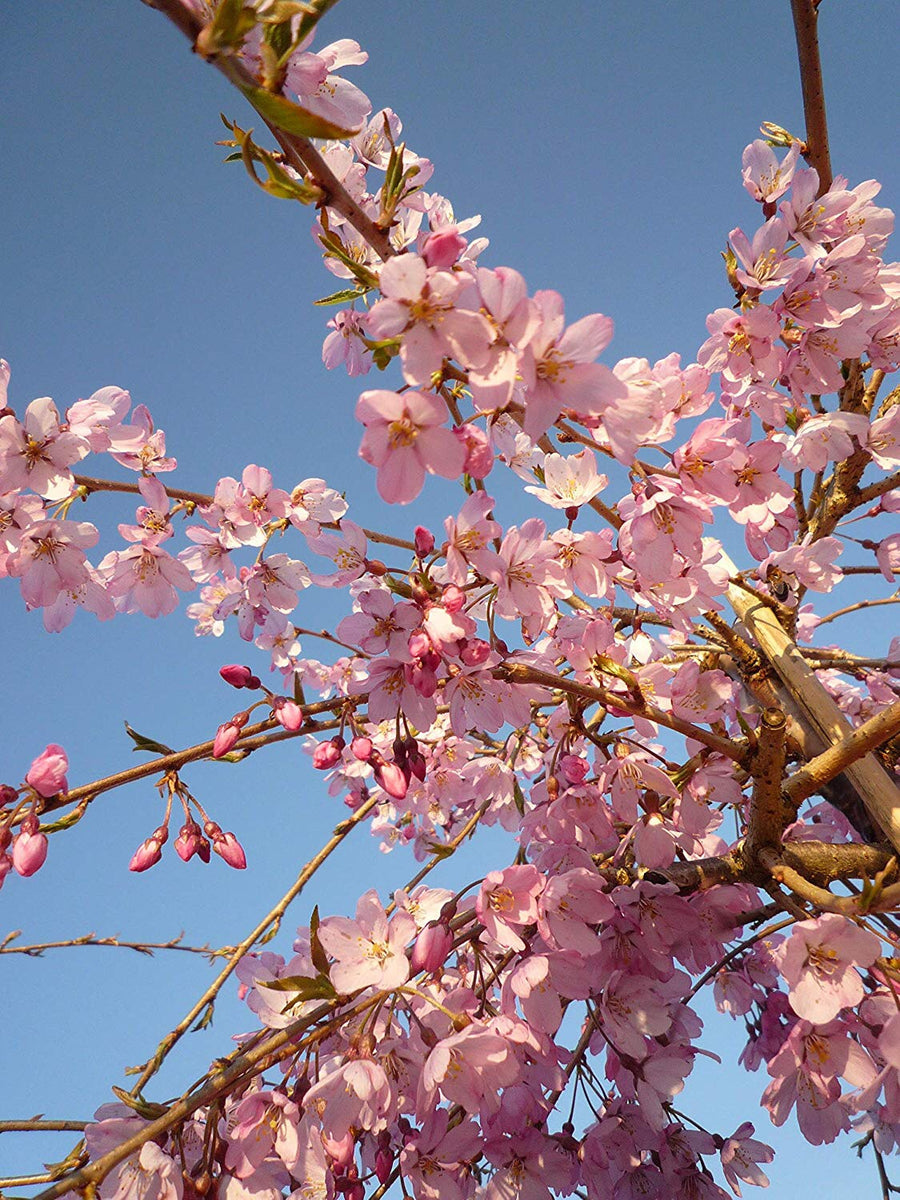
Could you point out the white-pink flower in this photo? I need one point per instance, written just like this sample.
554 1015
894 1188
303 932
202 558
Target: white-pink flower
405 437
370 951
818 961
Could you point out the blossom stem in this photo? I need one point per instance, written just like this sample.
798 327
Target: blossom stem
299 151
805 17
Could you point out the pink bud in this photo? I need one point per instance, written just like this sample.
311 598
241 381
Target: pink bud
573 769
287 713
390 777
189 841
340 1150
418 644
147 855
415 762
226 736
326 754
230 850
5 867
442 248
7 795
361 748
431 948
475 652
424 541
47 774
384 1158
239 677
452 598
29 852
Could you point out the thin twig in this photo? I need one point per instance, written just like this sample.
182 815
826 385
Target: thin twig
268 925
91 939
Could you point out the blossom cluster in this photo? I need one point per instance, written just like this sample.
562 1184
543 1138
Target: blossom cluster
569 678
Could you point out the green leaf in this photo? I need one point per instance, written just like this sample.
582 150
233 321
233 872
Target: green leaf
144 1108
291 117
303 988
317 950
280 182
231 23
205 1019
345 296
145 743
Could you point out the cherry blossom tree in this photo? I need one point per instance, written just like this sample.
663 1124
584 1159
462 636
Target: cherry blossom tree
698 788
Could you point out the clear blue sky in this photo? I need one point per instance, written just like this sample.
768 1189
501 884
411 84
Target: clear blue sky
601 143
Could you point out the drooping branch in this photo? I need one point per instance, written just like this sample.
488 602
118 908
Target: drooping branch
90 939
805 15
267 926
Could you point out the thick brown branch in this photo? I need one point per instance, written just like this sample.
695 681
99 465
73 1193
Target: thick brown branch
824 721
873 733
767 769
805 28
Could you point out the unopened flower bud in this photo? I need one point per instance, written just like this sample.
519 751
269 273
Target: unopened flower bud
431 948
475 652
415 763
391 778
452 598
29 852
327 754
230 850
424 541
418 644
147 855
442 248
226 736
479 454
239 677
287 713
361 748
47 774
384 1157
7 795
189 841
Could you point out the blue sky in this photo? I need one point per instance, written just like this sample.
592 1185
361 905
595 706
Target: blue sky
600 142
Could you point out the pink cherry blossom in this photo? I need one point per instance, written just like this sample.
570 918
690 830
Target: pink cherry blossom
47 774
405 437
37 453
368 951
818 961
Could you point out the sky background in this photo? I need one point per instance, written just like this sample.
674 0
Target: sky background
601 144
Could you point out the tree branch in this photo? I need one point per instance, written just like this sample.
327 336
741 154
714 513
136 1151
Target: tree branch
825 721
300 152
805 15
